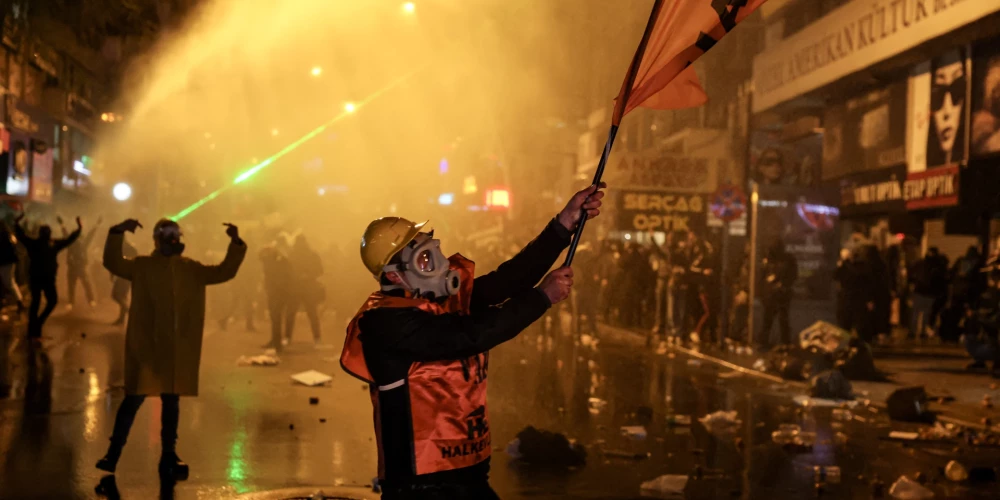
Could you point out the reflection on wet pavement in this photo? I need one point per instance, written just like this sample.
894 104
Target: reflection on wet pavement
252 430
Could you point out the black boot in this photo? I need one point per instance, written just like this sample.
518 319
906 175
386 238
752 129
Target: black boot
109 462
171 466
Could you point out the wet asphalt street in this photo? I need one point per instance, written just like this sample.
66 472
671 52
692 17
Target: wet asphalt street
252 429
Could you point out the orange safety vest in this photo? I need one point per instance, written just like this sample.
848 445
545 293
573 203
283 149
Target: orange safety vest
447 398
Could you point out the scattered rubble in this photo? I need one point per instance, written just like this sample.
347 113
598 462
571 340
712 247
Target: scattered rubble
831 384
955 471
907 489
312 378
538 446
314 401
720 421
666 486
259 360
634 431
596 405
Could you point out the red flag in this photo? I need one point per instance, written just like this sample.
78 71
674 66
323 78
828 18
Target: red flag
678 33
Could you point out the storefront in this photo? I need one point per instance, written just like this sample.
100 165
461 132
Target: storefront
897 151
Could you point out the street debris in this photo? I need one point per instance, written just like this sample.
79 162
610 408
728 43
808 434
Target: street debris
596 405
955 471
259 360
322 420
629 455
312 378
842 415
830 384
678 420
732 374
909 404
791 436
666 486
826 474
806 401
694 362
840 439
904 436
720 421
940 432
314 401
907 489
524 361
987 402
291 427
760 365
825 337
83 335
536 446
634 431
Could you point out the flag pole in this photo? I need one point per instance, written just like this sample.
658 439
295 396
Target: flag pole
620 105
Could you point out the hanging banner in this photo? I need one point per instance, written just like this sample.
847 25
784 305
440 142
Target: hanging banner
986 98
657 211
41 172
867 132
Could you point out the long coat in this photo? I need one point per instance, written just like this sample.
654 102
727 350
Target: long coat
167 317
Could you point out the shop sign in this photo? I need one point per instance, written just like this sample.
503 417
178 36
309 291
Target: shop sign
932 188
20 119
853 37
873 192
674 173
658 211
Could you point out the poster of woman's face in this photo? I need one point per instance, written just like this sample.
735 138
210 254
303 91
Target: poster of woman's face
946 137
986 99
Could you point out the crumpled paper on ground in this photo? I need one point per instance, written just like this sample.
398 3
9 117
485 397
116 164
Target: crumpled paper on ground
826 337
259 360
720 420
666 486
907 489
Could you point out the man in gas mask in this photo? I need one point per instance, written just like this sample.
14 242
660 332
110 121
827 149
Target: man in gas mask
422 344
164 333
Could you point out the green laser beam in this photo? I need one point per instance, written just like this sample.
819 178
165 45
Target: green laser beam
254 170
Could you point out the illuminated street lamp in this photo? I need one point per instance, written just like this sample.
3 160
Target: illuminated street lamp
409 7
122 191
350 107
316 71
274 132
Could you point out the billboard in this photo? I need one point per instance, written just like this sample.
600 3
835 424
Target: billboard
985 136
865 132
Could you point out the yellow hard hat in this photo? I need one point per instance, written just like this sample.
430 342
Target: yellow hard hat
384 238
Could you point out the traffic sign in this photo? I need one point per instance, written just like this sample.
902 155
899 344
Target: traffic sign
728 203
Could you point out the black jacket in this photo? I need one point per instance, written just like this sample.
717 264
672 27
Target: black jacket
503 303
42 253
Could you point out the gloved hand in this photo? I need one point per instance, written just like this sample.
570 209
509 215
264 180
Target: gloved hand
232 231
129 225
556 286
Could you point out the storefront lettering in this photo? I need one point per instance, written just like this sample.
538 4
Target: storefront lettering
661 211
858 26
877 193
664 202
932 188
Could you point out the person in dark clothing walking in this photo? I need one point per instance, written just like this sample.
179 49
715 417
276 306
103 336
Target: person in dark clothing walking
42 270
422 344
966 287
8 266
277 286
873 297
76 268
780 270
306 291
929 277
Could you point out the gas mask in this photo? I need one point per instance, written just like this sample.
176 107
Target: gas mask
167 237
425 269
